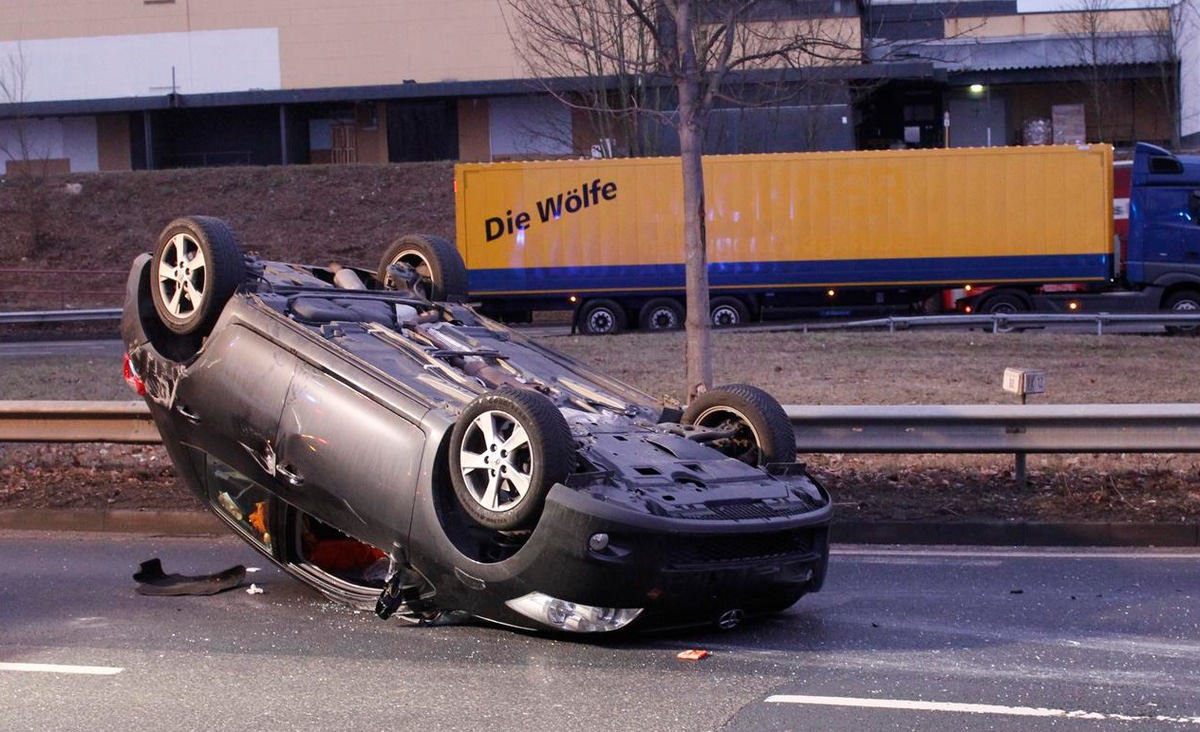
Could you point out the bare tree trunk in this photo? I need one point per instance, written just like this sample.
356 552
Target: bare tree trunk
691 142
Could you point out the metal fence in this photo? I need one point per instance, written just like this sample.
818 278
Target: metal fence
61 316
999 323
59 288
1004 323
931 429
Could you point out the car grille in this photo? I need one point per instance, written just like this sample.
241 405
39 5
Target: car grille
697 551
742 511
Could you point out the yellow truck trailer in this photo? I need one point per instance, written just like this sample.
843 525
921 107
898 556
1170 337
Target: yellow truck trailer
831 231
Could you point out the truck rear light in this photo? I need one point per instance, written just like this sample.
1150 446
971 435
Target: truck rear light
129 371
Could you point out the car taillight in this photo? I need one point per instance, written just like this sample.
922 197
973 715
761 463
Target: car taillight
129 371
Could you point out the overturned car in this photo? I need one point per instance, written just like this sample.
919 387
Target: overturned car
386 445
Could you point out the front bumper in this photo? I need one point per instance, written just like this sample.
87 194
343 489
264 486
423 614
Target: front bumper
678 572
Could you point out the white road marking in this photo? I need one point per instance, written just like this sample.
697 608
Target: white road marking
55 668
860 550
924 706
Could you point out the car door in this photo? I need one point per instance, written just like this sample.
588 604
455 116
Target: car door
347 459
227 402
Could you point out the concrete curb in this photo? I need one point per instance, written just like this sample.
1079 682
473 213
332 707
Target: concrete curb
1018 533
968 533
171 523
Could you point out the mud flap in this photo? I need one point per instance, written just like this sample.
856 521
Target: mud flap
153 581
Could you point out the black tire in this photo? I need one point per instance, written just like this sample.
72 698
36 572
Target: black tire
197 266
1004 304
501 475
440 268
1184 301
727 312
601 317
762 432
661 314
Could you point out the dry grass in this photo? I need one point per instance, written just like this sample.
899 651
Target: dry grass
814 368
909 367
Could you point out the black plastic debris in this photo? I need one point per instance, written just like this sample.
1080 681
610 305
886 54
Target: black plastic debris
153 581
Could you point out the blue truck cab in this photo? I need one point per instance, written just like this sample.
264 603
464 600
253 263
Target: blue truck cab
1155 267
1164 224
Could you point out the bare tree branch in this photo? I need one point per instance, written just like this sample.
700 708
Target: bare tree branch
618 53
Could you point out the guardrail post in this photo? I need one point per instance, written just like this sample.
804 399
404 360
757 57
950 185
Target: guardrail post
1019 471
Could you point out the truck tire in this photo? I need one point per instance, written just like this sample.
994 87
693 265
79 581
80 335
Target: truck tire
1184 301
661 314
1004 303
601 317
727 312
441 273
761 432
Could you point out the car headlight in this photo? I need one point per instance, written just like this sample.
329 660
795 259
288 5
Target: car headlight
571 616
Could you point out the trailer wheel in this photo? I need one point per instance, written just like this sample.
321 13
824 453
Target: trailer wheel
727 312
760 431
662 314
601 317
1003 304
441 273
1184 301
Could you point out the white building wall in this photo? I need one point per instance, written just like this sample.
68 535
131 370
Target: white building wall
80 144
114 67
30 139
1189 81
72 138
529 126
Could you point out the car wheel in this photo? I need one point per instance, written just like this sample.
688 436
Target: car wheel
197 266
727 312
601 317
1183 302
662 314
506 451
441 273
759 431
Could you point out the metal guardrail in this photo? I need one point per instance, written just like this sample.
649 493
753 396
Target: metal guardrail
60 316
930 429
998 323
62 421
995 428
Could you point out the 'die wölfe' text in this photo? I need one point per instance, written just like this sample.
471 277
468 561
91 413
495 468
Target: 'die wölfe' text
553 207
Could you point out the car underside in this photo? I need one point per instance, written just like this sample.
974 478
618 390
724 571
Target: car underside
410 455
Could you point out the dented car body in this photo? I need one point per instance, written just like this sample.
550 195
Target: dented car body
414 457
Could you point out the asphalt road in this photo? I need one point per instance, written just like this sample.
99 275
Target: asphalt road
928 639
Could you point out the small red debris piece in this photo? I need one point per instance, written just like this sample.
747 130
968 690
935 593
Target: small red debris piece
692 655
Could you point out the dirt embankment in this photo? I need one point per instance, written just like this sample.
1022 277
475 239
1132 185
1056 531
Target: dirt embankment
93 224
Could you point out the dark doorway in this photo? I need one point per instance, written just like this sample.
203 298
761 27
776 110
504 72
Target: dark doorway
212 136
422 130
